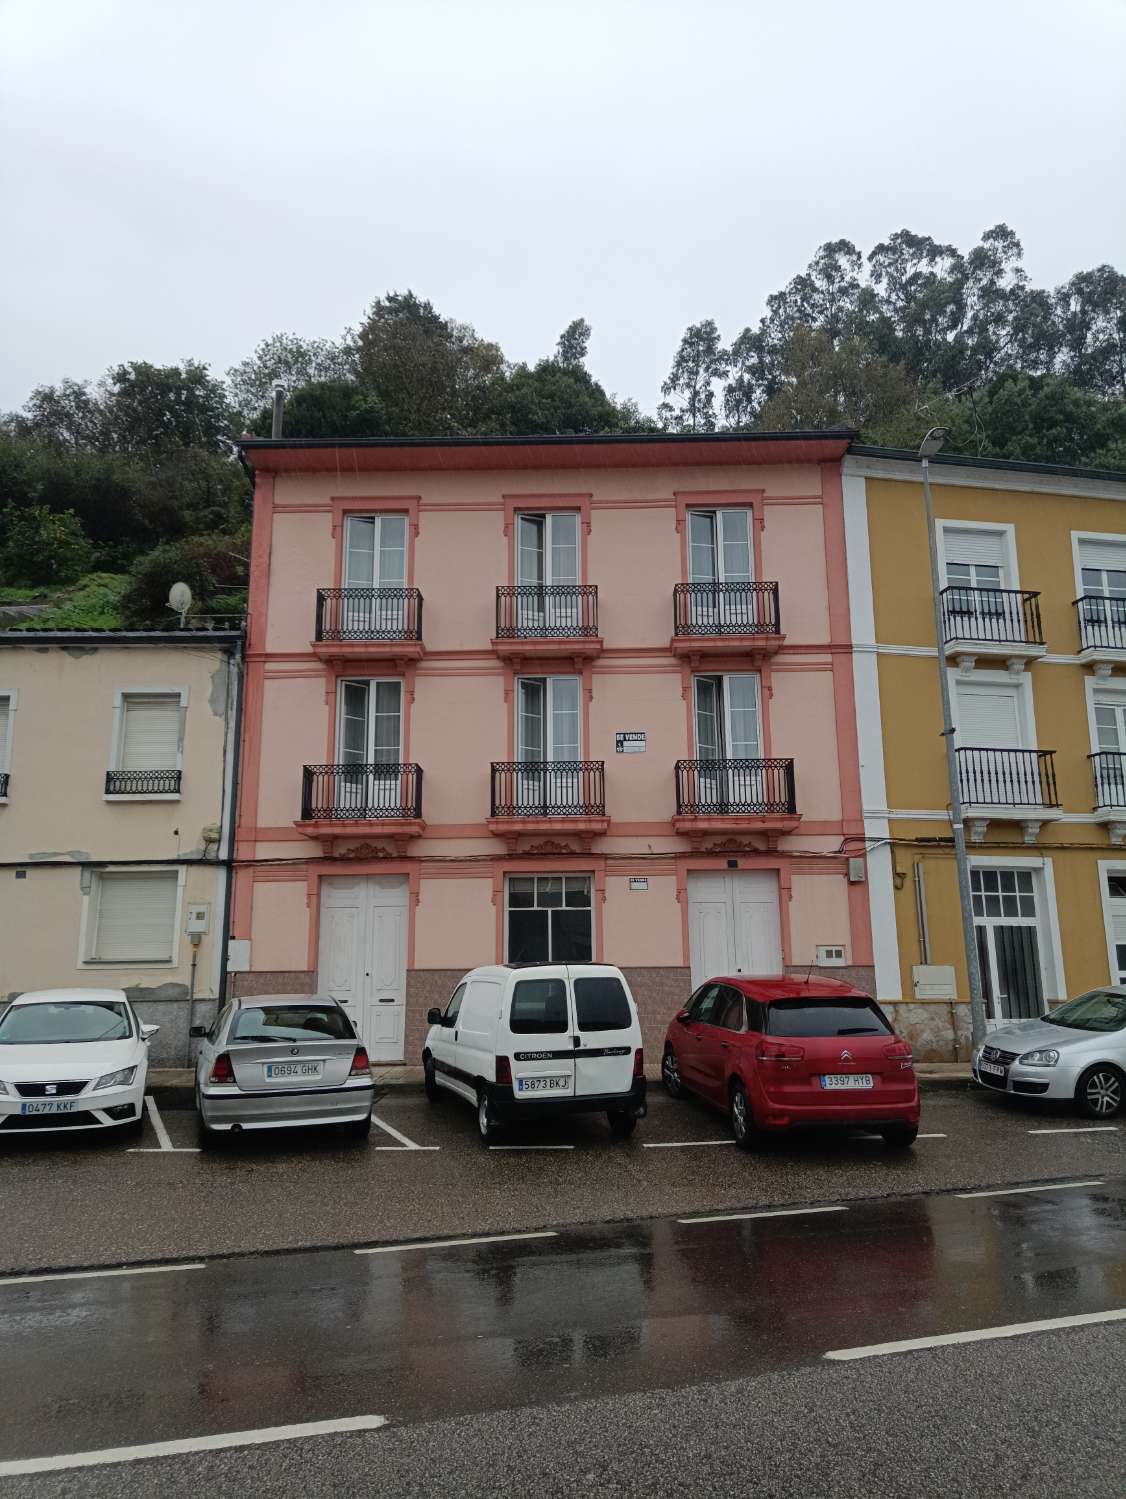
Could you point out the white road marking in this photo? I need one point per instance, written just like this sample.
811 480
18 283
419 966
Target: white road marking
157 1122
1019 1191
160 1150
404 1142
531 1147
978 1335
762 1213
1076 1129
189 1444
456 1243
681 1144
26 1280
930 1137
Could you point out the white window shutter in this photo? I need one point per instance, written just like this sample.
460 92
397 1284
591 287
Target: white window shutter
150 733
988 547
1108 554
136 916
988 720
4 720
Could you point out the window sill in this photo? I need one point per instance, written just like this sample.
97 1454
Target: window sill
128 963
141 796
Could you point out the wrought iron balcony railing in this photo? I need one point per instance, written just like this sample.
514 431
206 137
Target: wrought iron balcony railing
1108 768
143 782
369 614
3 783
361 793
1102 622
557 611
999 616
762 788
1007 777
725 609
549 788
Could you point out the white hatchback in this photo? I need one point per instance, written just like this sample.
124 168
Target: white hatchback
72 1059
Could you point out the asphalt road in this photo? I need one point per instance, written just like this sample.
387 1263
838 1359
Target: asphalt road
618 1359
96 1202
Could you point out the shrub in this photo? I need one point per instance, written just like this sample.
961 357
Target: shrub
209 565
38 545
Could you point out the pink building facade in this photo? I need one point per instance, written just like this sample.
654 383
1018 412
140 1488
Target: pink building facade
510 700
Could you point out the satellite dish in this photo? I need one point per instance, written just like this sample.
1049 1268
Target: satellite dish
180 599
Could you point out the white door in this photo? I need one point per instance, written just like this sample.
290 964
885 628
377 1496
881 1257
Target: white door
369 735
375 566
734 925
719 552
363 956
547 559
548 743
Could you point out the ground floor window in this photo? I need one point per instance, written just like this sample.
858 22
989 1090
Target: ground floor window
1008 942
1116 911
133 917
549 918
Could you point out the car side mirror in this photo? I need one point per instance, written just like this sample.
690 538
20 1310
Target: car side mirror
682 1017
434 1016
197 1032
148 1032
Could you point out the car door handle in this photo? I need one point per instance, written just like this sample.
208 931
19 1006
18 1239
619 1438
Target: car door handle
726 1045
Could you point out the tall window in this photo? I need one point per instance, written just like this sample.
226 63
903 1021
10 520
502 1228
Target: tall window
369 735
132 917
1008 943
549 918
1102 574
1116 910
1110 747
548 742
976 570
547 548
728 717
6 717
375 551
719 546
150 732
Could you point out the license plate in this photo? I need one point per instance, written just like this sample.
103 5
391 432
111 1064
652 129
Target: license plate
51 1106
992 1067
555 1084
846 1080
294 1069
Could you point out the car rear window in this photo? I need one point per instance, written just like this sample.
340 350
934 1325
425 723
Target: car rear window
539 1007
825 1017
602 1005
292 1023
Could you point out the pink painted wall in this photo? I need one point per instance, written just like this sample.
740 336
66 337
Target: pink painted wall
294 726
643 928
803 725
639 788
793 555
458 727
280 924
455 923
300 563
635 560
818 913
460 560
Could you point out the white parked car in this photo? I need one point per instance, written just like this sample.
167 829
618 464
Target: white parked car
538 1040
1077 1051
72 1059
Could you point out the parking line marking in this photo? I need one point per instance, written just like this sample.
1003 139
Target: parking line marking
549 1233
27 1280
762 1213
1019 1191
1075 1129
157 1122
189 1444
160 1150
681 1144
531 1147
930 1137
978 1335
404 1143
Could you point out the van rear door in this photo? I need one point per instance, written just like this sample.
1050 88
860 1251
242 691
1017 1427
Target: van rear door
606 1033
540 1036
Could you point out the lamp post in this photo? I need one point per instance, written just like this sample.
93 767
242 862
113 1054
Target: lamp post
927 449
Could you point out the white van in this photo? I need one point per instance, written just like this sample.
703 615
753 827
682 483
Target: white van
539 1039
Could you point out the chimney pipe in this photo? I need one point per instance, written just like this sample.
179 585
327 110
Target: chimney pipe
279 409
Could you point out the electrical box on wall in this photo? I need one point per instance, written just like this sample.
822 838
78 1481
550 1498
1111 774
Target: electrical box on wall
199 915
831 955
238 955
856 872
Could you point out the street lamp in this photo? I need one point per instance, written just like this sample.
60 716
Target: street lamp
927 449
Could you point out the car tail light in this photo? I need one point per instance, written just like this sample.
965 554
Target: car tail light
785 1052
639 1062
361 1063
504 1071
899 1051
221 1069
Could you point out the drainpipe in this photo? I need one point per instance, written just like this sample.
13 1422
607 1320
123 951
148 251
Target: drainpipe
921 913
279 410
232 814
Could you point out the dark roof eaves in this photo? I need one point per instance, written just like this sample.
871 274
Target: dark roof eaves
1000 465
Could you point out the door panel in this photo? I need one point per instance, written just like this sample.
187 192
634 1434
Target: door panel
734 924
362 957
757 923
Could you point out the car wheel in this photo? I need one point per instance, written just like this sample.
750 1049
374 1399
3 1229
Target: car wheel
899 1136
743 1126
358 1129
622 1123
1101 1092
430 1082
670 1073
486 1124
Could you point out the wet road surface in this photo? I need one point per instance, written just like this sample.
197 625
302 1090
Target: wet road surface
611 1313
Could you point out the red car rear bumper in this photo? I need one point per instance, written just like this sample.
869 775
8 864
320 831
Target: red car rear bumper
771 1113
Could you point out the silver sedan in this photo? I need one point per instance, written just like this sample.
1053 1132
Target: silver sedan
1076 1052
278 1060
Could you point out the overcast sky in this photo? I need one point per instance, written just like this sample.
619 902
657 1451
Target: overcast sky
182 179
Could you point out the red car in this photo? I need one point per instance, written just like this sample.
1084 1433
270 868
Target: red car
780 1052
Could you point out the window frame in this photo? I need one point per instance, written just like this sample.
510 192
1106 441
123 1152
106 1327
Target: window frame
549 874
88 923
1010 578
117 742
11 696
1053 979
370 683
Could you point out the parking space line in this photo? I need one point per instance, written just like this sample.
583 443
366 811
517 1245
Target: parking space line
549 1233
762 1213
157 1122
978 1335
531 1147
930 1137
404 1143
213 1443
27 1280
1019 1191
681 1144
1076 1129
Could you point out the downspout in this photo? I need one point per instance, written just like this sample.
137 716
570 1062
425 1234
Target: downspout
224 930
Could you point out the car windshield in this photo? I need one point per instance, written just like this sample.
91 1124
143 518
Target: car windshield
1101 1010
51 1023
292 1023
825 1017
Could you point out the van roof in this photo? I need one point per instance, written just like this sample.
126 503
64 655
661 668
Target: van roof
502 970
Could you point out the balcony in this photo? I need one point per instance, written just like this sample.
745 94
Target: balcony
539 797
554 621
368 624
735 796
145 784
340 801
994 622
1108 770
1007 785
725 619
3 785
1102 632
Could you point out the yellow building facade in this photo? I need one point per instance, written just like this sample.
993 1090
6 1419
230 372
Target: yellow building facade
1033 595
